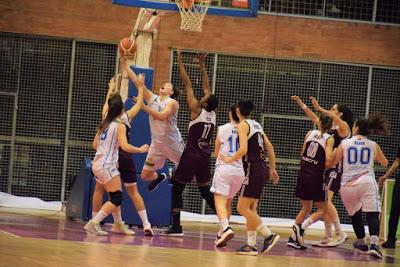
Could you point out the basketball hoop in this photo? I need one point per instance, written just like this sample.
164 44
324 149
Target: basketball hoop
192 13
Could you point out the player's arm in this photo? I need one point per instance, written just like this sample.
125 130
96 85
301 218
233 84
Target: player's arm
134 110
217 146
380 157
311 115
329 152
135 79
392 169
171 108
95 142
123 142
273 174
344 130
111 89
205 81
338 156
243 130
194 105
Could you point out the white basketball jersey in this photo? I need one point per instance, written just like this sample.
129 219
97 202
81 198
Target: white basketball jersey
229 138
358 158
163 131
107 150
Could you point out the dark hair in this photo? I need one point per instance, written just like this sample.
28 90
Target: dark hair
233 112
347 114
212 103
374 124
176 93
115 107
245 107
326 122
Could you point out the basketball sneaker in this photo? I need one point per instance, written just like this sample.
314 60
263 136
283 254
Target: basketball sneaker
389 244
247 250
294 244
155 183
226 235
323 243
148 231
270 242
94 228
338 240
121 228
360 245
299 234
375 251
172 231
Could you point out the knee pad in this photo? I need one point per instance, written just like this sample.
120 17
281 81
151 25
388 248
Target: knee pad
177 190
116 198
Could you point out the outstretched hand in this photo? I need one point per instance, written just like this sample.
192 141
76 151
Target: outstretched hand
382 180
201 58
315 103
273 176
179 55
144 148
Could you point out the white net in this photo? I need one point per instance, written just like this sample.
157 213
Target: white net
192 13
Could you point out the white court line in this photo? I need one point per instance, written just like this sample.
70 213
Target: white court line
10 234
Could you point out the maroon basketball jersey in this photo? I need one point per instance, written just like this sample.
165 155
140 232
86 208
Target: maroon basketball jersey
200 133
312 162
125 120
335 133
255 142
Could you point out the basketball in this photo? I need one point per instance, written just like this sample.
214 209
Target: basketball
127 47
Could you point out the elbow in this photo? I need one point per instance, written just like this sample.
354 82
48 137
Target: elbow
385 163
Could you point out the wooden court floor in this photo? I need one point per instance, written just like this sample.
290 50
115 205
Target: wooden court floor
48 239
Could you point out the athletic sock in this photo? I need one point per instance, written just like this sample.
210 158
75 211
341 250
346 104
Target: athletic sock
328 230
94 213
252 238
264 230
101 215
306 223
224 224
176 219
117 217
338 227
143 217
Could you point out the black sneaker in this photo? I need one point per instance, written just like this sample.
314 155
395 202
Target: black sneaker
247 250
375 251
222 240
294 244
270 242
172 231
299 234
360 245
389 244
154 184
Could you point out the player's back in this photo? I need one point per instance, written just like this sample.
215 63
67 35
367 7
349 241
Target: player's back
255 142
358 157
107 149
229 139
200 133
312 162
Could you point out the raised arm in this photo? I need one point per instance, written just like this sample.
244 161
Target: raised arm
243 129
111 90
344 130
123 142
133 111
171 108
273 174
313 117
95 142
205 82
135 79
194 105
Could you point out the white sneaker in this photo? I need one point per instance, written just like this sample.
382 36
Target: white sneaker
324 242
148 231
121 228
227 235
94 228
338 240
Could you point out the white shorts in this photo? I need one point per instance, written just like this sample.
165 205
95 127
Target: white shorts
363 195
158 153
105 173
227 180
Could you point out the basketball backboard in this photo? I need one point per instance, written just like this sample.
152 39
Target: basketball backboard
235 8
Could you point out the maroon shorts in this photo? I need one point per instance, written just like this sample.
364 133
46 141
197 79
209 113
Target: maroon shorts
191 166
256 175
333 179
127 169
310 188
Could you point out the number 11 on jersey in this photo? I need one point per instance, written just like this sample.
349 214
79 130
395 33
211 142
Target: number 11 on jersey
233 143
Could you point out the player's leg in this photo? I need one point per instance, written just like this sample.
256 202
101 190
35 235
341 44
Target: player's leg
97 200
394 216
298 231
244 207
155 160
